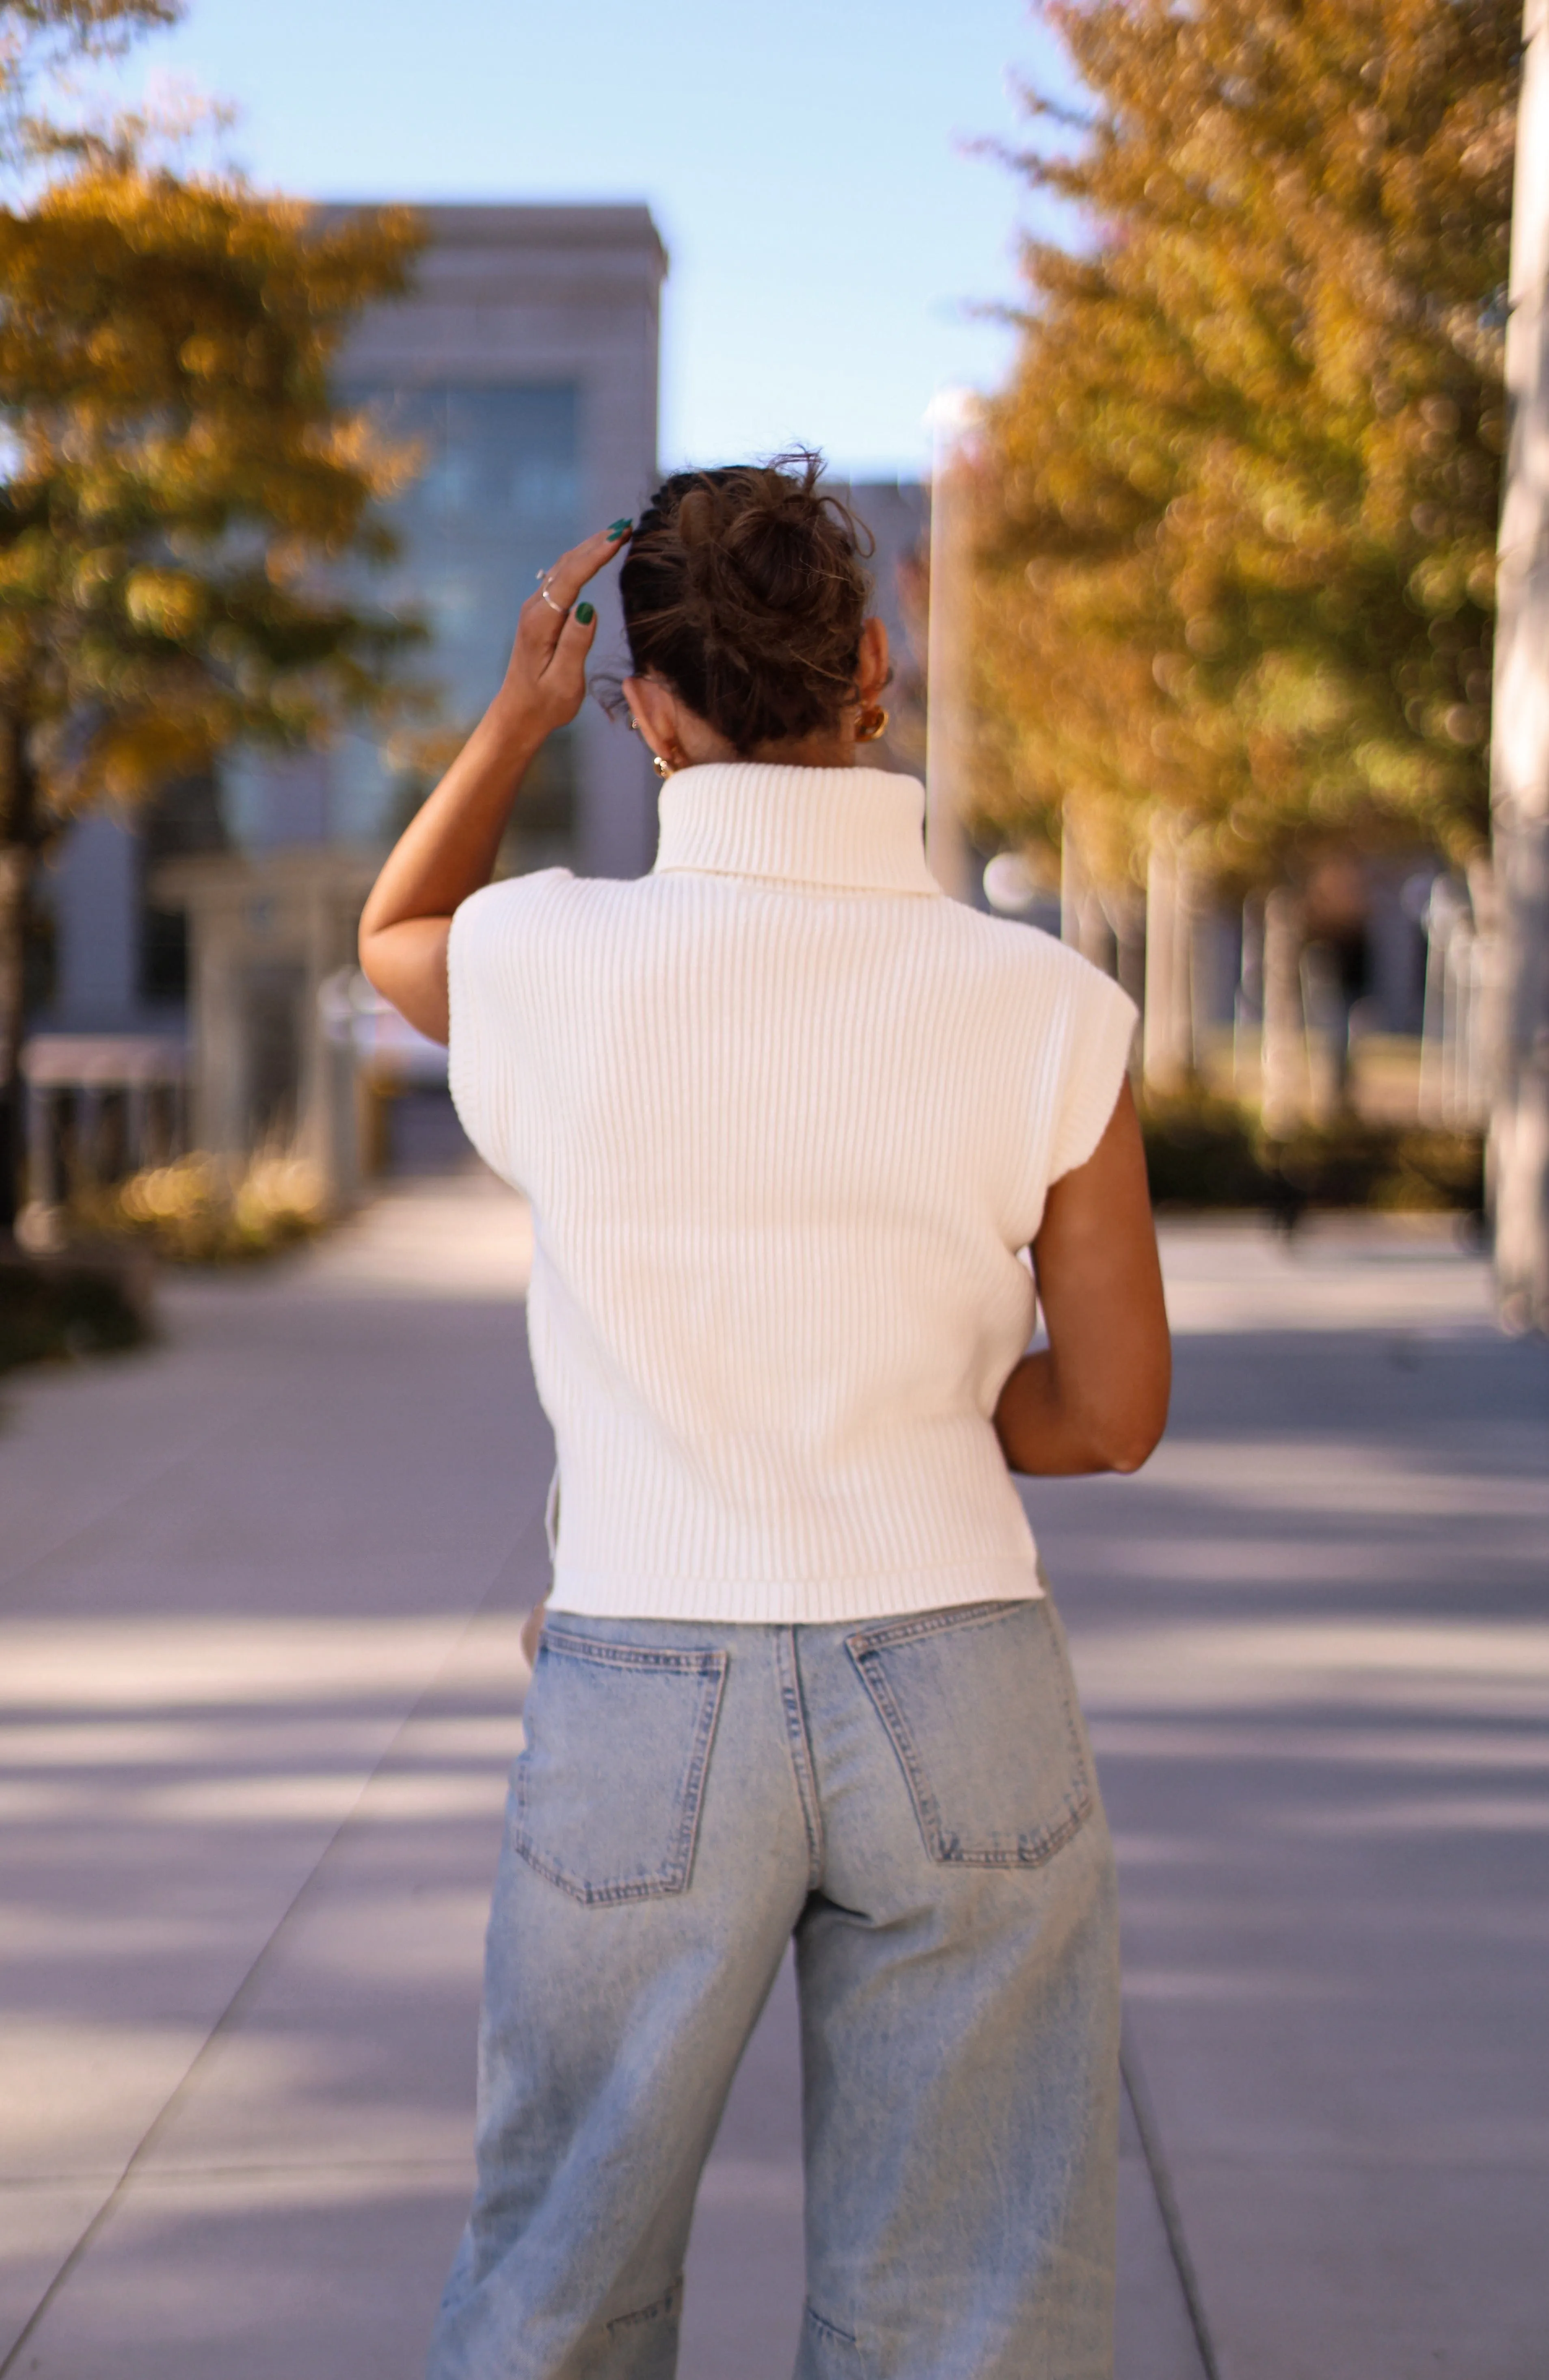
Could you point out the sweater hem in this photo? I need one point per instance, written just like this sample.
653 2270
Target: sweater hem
790 1603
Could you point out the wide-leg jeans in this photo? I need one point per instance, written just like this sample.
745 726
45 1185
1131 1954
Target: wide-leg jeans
914 1798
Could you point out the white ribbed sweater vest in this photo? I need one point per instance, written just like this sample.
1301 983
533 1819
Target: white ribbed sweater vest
785 1116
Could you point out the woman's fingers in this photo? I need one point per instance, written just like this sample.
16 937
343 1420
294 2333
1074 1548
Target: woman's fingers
575 637
572 570
554 633
550 671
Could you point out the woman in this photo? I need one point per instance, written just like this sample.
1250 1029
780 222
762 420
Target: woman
789 1119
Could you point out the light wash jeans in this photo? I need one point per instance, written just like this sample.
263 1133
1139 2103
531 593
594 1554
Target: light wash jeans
914 1798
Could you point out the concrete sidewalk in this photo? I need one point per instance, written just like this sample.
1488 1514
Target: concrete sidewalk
259 1680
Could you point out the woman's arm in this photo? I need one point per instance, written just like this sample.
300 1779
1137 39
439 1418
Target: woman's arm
447 850
1095 1399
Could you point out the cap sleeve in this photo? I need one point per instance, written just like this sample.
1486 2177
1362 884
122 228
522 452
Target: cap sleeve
1097 1055
477 994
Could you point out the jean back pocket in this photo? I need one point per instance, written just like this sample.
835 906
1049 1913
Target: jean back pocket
980 1708
605 1795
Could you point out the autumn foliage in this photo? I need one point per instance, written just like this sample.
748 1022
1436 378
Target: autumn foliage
181 487
1240 498
180 477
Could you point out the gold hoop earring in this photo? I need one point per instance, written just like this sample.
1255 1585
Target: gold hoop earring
660 765
872 724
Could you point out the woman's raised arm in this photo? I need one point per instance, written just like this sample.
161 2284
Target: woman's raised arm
447 850
1095 1399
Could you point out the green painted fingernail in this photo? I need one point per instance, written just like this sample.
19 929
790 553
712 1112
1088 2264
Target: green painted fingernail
585 614
616 528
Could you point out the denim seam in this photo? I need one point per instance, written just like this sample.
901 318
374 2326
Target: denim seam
666 2305
926 1813
799 1746
931 1623
1035 1850
699 1760
633 1656
674 1874
820 2322
1081 1804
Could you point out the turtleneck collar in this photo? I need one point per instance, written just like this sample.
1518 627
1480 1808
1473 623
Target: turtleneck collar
853 830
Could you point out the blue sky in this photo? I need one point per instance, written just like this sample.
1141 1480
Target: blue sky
829 238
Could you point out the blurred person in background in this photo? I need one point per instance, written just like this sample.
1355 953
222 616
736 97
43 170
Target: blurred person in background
789 1119
1336 968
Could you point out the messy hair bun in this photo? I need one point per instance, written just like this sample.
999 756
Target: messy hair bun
743 587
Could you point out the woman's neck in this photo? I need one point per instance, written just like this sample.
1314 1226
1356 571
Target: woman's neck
824 751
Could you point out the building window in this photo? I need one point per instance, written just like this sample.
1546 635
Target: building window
498 498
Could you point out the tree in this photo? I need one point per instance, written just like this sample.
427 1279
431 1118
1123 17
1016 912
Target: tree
39 39
179 487
1240 499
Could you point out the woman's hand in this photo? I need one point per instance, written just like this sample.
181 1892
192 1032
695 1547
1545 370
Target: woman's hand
545 684
532 1633
1095 1399
447 850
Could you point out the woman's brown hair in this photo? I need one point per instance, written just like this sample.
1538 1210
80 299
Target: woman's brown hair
744 590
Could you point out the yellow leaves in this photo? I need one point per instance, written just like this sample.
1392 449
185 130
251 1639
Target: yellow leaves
1394 773
203 356
28 573
1292 696
203 1209
169 603
1250 457
1439 581
135 750
354 443
94 574
168 284
179 477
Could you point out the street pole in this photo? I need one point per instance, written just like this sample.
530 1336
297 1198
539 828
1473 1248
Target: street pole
1519 749
948 692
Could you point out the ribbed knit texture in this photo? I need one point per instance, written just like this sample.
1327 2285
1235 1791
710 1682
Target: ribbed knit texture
785 1116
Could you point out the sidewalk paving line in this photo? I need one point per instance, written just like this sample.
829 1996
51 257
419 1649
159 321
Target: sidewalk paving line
233 2007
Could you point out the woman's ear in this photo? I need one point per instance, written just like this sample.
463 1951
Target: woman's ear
653 709
673 733
875 664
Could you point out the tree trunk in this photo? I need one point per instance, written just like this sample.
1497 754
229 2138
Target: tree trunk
1520 755
1283 1094
1085 920
1248 1009
1444 910
1168 1040
19 840
1126 917
15 872
1072 883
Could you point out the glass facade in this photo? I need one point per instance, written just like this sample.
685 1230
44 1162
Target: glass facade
497 499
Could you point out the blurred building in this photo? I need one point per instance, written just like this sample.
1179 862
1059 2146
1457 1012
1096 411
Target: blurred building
898 514
524 363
